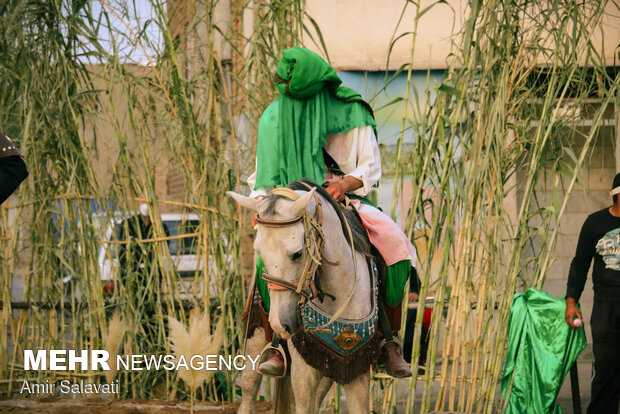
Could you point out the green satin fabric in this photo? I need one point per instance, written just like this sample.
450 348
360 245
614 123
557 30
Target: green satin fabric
541 350
293 129
261 285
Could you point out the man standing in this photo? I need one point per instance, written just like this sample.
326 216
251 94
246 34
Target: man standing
600 238
137 256
414 291
12 168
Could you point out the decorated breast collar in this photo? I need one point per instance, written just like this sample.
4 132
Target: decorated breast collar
343 335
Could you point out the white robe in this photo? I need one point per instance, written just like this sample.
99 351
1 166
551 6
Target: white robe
357 154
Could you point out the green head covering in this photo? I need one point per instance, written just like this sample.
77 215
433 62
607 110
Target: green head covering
293 129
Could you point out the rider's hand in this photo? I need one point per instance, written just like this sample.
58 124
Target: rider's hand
571 312
336 190
413 297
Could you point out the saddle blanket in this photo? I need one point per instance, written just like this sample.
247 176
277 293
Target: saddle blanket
385 235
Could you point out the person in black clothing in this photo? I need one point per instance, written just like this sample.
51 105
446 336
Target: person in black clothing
12 168
414 290
137 257
600 239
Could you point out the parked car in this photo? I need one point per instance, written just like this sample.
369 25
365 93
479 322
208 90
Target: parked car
183 259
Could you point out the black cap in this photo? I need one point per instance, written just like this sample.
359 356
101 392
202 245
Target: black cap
616 181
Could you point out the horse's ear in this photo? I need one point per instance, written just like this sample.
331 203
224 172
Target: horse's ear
300 205
244 201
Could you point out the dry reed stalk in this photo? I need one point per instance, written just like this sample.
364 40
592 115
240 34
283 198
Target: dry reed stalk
484 96
195 341
112 340
171 113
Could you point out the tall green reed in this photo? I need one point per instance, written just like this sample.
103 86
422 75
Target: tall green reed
114 131
119 134
496 127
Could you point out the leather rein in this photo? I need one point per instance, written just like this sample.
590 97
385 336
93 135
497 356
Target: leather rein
314 242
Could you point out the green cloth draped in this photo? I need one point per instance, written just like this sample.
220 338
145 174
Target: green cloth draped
541 350
293 129
261 285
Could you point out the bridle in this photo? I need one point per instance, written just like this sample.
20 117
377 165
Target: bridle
314 242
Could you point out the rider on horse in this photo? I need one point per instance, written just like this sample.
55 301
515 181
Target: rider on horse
321 130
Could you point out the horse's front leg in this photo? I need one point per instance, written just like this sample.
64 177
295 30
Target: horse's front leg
357 394
305 381
250 380
324 386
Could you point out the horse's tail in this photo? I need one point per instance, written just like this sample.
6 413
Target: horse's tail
284 402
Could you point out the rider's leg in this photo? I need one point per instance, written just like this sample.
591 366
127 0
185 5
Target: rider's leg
390 319
390 355
399 254
273 364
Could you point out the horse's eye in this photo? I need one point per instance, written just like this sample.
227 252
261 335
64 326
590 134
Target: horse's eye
296 255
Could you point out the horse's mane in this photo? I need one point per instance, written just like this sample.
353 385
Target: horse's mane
350 216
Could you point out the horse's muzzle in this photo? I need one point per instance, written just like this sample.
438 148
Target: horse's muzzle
290 319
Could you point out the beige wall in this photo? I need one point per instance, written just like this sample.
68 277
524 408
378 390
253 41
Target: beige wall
358 33
112 119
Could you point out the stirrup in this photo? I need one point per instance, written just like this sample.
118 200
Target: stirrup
263 358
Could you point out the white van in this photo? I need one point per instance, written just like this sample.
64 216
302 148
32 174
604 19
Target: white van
183 257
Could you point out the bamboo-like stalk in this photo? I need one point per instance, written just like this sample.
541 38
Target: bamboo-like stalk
475 145
487 94
151 117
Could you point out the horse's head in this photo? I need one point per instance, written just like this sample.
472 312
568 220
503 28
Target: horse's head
280 244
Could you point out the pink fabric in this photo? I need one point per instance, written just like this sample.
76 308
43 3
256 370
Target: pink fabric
385 235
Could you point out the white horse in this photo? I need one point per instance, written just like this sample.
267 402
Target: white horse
281 248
